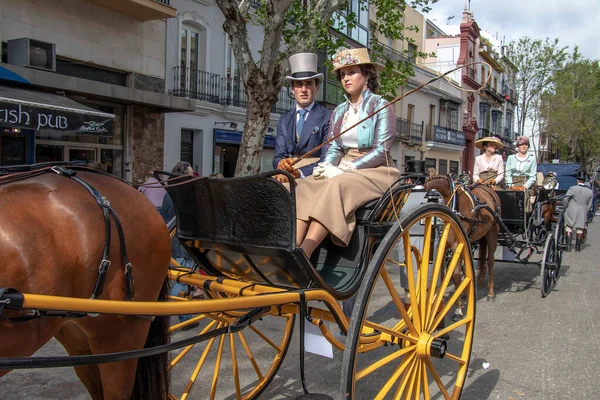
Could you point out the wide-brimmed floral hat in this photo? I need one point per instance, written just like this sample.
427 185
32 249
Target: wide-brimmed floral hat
348 57
522 140
490 139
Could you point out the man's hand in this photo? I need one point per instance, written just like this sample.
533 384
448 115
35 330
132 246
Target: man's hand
281 178
286 164
518 188
493 182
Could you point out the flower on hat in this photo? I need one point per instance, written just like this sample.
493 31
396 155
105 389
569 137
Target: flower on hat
345 57
522 140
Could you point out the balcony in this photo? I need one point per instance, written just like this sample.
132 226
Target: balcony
408 131
143 10
391 54
440 134
205 86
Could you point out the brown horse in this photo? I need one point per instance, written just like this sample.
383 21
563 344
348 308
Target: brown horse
52 236
480 225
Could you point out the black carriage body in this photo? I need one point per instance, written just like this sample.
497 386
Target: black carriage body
512 204
245 228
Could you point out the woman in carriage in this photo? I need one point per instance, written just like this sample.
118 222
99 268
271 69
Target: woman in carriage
521 168
489 167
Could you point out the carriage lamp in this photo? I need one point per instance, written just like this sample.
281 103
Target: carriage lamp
549 183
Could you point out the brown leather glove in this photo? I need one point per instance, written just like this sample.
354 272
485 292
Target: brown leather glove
519 188
492 182
286 164
479 181
280 178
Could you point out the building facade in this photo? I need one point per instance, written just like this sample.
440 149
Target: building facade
87 58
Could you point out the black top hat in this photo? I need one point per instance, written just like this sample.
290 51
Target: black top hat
581 176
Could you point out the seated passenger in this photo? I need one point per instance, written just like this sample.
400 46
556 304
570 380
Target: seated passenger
489 167
358 167
521 168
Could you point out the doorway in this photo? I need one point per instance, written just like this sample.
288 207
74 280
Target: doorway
225 159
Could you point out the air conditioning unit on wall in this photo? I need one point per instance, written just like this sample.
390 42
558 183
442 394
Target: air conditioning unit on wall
32 53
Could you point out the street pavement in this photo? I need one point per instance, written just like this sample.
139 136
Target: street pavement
536 348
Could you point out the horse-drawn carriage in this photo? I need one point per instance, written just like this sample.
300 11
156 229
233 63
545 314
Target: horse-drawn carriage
512 219
241 233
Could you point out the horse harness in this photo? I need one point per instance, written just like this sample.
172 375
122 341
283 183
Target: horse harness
478 205
8 295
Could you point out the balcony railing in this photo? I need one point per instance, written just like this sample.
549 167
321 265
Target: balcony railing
205 86
435 133
406 130
391 54
142 10
167 2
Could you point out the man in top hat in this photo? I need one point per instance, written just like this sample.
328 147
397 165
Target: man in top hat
304 127
577 203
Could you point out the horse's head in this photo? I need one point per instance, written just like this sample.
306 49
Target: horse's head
441 183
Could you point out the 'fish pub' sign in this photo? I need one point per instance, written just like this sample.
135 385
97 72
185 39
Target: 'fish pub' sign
66 120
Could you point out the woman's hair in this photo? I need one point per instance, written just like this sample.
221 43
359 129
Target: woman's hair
370 74
216 175
180 168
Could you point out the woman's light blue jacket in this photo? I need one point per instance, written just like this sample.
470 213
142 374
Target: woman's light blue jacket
375 135
515 167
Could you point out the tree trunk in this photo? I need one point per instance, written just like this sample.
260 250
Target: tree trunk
260 100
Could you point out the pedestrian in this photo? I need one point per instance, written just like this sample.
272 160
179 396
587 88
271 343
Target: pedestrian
306 126
577 203
153 190
178 252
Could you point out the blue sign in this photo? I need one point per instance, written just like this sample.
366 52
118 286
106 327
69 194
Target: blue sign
233 137
450 136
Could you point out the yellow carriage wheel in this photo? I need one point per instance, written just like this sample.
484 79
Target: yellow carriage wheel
422 353
246 361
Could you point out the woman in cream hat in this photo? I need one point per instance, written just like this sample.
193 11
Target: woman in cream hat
489 167
357 167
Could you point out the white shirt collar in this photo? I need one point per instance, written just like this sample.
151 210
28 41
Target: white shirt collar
308 108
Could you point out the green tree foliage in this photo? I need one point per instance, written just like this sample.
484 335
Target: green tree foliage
535 60
293 26
571 111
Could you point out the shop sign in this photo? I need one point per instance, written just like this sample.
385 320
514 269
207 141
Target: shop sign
68 120
450 136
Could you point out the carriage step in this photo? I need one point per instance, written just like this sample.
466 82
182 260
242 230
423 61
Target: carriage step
313 396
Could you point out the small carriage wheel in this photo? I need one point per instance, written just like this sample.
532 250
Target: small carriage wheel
422 353
549 267
559 240
247 360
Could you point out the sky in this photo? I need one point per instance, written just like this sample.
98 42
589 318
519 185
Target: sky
574 22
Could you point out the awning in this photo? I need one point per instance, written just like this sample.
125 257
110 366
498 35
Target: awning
32 109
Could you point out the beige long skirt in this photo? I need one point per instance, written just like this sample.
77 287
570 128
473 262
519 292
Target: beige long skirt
332 202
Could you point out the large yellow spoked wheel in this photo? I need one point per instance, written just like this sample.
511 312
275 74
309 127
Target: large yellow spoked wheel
246 361
413 351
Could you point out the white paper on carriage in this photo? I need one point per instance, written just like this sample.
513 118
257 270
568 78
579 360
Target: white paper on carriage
316 343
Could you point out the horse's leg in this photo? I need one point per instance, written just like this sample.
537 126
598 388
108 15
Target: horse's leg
75 341
492 239
482 255
22 339
457 280
126 333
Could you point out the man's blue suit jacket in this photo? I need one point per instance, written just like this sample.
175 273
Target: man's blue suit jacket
314 132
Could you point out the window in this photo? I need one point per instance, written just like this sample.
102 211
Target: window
443 167
360 32
449 114
454 167
406 160
412 52
190 39
410 113
483 75
187 146
430 163
431 115
234 87
496 84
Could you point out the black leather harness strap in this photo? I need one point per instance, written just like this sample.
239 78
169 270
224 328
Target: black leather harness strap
107 211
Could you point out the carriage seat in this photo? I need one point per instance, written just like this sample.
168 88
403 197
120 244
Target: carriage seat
245 228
